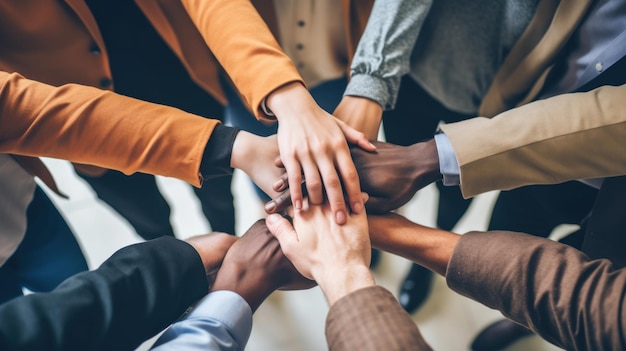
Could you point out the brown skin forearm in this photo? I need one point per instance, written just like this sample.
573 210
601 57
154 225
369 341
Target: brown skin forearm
429 247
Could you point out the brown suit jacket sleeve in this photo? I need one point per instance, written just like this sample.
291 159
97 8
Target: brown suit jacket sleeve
557 291
92 126
371 319
571 136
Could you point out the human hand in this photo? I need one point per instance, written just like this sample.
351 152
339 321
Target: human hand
257 156
390 176
314 144
212 248
255 266
336 256
393 174
361 114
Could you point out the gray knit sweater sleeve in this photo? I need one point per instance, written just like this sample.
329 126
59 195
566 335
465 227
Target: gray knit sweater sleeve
384 51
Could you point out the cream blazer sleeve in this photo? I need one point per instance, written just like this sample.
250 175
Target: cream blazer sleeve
571 136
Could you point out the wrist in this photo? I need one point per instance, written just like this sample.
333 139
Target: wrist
289 99
217 155
337 283
428 168
251 284
243 150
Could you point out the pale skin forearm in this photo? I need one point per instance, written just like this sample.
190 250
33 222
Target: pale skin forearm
429 247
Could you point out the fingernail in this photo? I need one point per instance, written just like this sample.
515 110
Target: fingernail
298 205
270 207
372 145
357 207
279 184
340 217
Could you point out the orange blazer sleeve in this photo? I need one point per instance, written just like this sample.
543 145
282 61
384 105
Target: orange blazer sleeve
91 126
244 46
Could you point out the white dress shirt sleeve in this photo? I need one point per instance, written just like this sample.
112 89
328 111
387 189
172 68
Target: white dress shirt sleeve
448 164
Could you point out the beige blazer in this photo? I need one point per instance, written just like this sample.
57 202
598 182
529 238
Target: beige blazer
572 136
568 137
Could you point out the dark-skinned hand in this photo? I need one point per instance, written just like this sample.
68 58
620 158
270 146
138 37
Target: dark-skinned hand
255 266
390 176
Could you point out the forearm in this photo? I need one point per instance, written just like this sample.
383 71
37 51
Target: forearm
134 294
571 301
243 46
571 136
92 126
429 247
383 54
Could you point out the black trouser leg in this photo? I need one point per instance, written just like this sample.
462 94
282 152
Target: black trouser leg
216 199
136 198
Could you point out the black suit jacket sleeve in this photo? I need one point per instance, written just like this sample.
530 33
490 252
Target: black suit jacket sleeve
135 294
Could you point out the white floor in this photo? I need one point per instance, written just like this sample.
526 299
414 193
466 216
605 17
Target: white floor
289 320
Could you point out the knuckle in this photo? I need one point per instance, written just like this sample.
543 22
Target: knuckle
332 182
314 186
351 176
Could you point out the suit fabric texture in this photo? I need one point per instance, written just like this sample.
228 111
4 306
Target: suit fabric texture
131 297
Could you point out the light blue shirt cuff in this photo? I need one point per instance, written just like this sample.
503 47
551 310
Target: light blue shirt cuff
220 321
448 164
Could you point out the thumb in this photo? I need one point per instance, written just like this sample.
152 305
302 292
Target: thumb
283 231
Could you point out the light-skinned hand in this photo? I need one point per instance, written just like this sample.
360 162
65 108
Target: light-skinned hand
336 256
313 144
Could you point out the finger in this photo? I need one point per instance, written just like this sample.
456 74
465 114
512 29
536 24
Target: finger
313 184
334 192
294 173
351 182
278 162
282 183
365 197
353 136
278 203
283 200
284 232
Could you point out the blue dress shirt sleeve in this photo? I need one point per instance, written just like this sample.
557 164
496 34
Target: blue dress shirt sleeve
220 321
